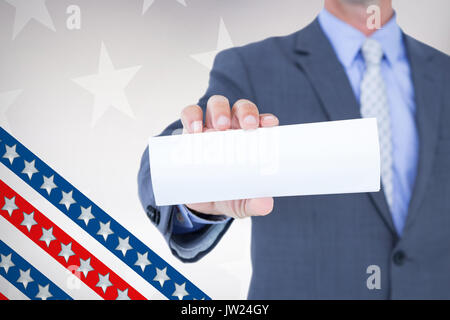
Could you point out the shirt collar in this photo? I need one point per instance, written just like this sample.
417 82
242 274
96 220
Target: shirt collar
347 40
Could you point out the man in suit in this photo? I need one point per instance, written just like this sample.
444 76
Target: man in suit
323 246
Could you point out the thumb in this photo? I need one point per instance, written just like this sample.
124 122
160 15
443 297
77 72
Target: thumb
246 207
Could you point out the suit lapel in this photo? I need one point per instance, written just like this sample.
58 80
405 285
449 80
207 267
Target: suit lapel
316 57
426 85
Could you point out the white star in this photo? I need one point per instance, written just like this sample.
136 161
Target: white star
148 4
161 276
6 262
28 220
223 42
48 184
10 205
11 153
27 10
108 87
47 236
180 291
142 261
6 100
124 246
67 199
86 214
44 292
122 295
103 282
66 251
25 278
105 230
29 169
85 266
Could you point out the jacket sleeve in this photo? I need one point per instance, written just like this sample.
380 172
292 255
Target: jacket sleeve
229 78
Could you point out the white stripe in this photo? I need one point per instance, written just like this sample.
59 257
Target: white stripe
11 292
42 261
81 236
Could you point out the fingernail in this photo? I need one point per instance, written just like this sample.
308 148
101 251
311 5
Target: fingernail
197 126
250 120
268 119
223 121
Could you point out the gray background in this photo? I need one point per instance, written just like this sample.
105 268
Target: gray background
52 115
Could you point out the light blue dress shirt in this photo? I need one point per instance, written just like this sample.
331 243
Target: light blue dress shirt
395 69
347 42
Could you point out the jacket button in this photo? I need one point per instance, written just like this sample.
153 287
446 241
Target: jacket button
153 214
157 217
399 257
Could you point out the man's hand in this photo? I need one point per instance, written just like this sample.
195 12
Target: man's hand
243 115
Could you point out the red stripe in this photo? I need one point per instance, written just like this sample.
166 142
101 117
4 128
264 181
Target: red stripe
3 297
54 249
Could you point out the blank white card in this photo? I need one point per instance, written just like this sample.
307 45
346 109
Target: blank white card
303 159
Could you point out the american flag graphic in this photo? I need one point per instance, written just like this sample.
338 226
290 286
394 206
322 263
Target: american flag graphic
26 229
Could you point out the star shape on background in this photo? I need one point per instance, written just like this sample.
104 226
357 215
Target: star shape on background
122 295
161 276
148 3
180 291
6 100
29 169
10 205
105 230
223 42
66 251
47 236
142 261
6 262
67 199
48 184
86 214
85 266
124 245
103 282
25 277
108 87
44 292
27 10
28 220
10 153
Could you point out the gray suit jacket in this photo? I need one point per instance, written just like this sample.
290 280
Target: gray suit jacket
320 246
